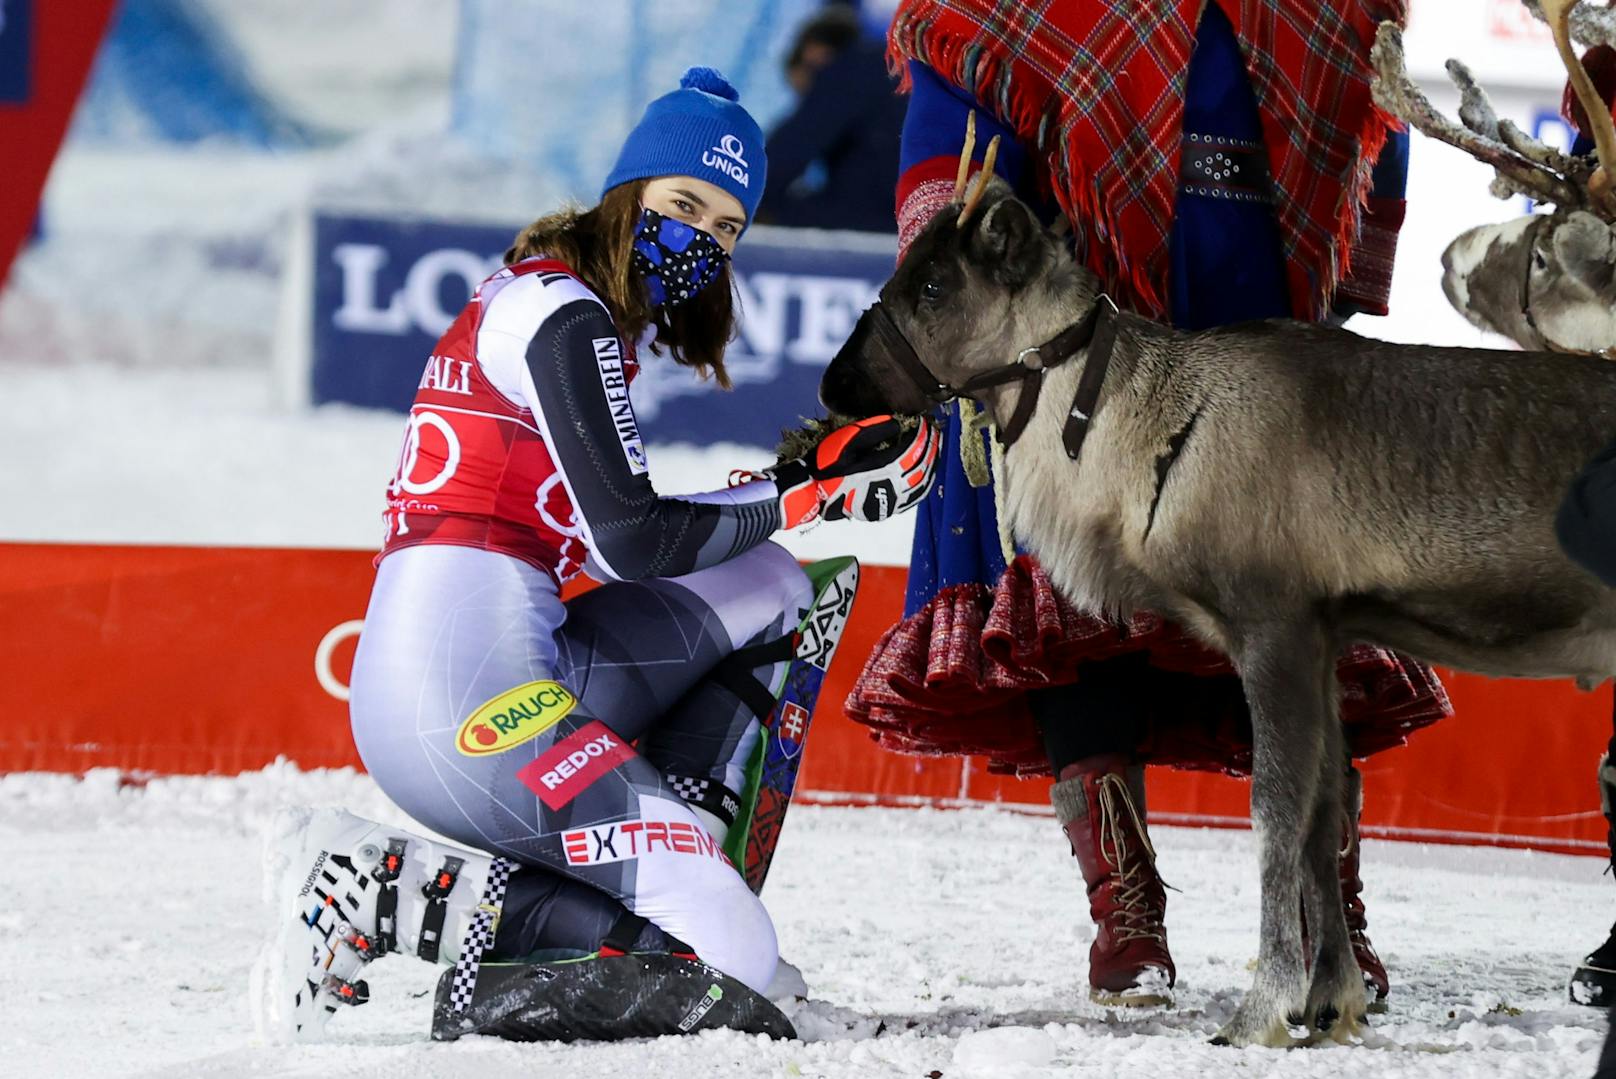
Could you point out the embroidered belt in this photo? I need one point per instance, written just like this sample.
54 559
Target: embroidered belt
1222 168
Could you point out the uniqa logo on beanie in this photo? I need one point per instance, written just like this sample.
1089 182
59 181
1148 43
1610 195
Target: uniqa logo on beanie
728 158
698 130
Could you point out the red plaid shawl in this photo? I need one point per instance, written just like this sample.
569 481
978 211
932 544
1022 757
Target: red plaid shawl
1103 81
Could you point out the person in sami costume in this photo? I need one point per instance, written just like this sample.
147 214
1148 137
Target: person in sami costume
1216 162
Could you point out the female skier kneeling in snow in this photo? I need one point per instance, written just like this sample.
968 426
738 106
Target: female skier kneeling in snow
499 716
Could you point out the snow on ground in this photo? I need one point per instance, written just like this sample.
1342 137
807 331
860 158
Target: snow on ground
932 941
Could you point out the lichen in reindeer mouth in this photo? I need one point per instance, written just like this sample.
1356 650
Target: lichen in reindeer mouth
800 442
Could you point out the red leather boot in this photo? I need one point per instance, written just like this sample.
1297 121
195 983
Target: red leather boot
1100 804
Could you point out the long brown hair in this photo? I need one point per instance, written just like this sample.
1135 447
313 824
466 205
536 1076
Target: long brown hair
596 243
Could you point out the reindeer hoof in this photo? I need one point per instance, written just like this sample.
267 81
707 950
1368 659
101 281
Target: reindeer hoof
1348 1031
1343 1031
1243 1029
1337 1012
1341 1020
1278 1037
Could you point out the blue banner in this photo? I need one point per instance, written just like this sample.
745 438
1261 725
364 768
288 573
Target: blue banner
385 290
16 22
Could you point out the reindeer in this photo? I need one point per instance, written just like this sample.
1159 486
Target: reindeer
1282 490
1546 281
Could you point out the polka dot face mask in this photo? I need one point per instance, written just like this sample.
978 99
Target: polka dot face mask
675 259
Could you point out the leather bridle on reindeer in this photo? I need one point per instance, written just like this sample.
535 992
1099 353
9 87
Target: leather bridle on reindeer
1096 331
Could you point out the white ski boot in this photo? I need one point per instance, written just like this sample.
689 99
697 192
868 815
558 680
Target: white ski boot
347 891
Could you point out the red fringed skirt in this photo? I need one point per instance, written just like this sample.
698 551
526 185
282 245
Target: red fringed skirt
951 680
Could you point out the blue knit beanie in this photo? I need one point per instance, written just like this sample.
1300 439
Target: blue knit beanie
698 130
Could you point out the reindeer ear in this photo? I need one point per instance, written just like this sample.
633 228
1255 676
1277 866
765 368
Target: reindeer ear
1583 246
1009 243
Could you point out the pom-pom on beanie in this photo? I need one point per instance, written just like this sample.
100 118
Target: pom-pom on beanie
698 130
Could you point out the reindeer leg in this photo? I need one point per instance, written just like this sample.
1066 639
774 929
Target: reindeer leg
1279 664
1336 1000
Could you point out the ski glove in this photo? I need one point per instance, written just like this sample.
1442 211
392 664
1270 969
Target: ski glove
851 475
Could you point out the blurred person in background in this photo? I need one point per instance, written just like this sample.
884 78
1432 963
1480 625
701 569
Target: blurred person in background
1203 191
832 161
590 754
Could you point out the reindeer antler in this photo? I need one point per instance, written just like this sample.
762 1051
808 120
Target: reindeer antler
1476 113
1558 15
982 177
965 156
1589 24
1522 163
982 180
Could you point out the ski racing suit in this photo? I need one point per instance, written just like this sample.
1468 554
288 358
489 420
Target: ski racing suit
502 717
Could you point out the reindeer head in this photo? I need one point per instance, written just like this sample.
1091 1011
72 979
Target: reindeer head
981 273
1545 281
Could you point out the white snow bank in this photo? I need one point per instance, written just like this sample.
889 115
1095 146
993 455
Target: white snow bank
1003 1051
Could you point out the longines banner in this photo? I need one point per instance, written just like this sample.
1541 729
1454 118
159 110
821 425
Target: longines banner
384 290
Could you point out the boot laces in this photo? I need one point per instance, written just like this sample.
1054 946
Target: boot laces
1351 883
1140 920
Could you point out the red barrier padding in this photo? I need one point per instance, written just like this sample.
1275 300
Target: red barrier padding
191 660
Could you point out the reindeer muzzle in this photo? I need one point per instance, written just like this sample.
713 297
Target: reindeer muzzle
876 337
